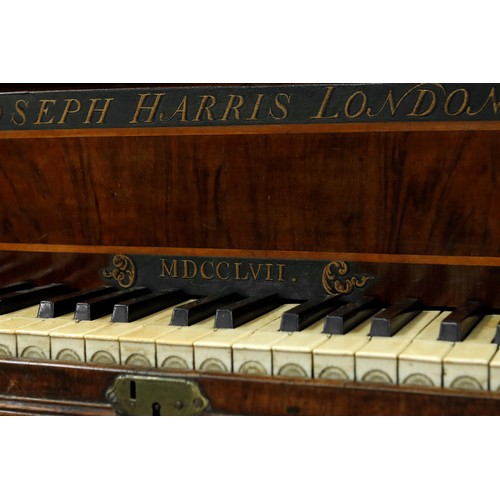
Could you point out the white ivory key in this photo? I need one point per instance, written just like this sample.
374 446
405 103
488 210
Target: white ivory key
253 355
33 340
378 360
138 347
102 345
175 347
334 359
8 328
421 363
467 365
293 356
213 352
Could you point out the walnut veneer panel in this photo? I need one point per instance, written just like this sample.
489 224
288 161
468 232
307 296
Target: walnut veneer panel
421 193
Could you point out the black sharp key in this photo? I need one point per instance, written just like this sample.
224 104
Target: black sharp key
64 304
350 315
26 298
201 309
496 340
303 315
101 306
15 287
389 321
245 310
134 309
458 324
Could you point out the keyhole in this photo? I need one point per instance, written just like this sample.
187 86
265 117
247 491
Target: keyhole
132 390
156 409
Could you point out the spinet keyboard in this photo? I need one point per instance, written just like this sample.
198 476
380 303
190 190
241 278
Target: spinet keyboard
408 352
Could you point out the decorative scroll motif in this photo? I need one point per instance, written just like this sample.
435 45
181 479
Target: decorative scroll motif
123 272
336 282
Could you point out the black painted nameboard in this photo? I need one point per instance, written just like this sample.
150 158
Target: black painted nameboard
199 276
208 106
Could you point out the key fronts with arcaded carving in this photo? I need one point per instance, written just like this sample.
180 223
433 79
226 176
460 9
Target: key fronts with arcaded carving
389 321
459 323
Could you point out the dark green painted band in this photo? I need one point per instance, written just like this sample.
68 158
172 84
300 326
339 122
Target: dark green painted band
208 106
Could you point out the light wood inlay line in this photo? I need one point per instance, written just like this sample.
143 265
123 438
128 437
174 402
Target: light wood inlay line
305 128
455 260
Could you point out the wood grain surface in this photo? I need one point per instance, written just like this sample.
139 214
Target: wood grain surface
49 387
416 193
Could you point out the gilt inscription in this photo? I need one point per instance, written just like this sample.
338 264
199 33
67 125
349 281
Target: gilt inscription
248 105
290 279
222 270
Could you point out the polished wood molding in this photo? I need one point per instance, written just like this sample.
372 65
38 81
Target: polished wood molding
445 260
51 387
323 128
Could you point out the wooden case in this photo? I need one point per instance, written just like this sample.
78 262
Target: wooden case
399 181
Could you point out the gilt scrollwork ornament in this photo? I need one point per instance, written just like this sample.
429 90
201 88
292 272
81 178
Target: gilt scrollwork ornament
123 271
336 280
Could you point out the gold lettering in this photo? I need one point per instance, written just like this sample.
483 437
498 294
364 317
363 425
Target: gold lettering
235 107
93 108
181 109
421 95
268 276
237 266
204 274
218 268
361 110
206 107
461 109
281 272
324 104
255 274
44 111
68 110
491 97
281 106
194 269
392 105
172 271
256 108
395 105
21 112
141 107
